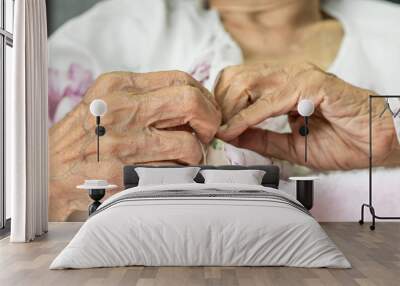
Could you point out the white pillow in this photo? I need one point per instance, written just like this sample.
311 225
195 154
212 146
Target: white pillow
165 176
247 177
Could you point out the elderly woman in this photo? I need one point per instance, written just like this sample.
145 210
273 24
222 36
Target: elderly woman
177 73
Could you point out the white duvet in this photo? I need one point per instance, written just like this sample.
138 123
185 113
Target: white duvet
192 231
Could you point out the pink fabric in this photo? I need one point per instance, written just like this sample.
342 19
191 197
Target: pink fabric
201 72
72 84
202 67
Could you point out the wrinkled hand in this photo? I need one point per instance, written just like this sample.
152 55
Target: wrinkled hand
338 136
152 117
145 108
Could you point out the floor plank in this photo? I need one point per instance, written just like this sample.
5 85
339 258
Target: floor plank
375 257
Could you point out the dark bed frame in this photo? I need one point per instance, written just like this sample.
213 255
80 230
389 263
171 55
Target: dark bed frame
270 179
304 190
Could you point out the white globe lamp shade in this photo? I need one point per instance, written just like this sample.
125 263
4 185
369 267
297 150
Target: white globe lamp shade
98 107
305 107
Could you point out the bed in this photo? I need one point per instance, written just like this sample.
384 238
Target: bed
198 224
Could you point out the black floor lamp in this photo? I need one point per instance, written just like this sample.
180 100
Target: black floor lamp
370 205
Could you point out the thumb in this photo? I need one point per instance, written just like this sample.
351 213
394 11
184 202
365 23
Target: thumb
271 144
265 107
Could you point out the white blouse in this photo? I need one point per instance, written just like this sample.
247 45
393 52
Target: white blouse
394 104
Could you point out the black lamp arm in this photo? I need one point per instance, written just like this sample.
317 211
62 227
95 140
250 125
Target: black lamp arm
100 131
304 131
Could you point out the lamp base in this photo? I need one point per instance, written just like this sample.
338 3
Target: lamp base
96 195
305 193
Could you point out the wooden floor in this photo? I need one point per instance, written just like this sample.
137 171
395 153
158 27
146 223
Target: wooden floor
375 257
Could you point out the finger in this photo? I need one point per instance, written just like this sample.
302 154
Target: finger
287 88
236 81
248 87
147 82
162 146
238 95
139 83
144 145
224 80
165 108
228 73
263 108
271 144
176 106
174 125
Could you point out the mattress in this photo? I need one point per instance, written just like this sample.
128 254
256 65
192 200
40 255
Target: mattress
201 225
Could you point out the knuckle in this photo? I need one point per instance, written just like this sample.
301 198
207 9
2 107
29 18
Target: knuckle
230 71
308 74
181 77
105 77
225 75
303 68
244 82
193 97
107 81
308 66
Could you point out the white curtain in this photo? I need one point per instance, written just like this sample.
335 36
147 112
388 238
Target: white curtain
26 124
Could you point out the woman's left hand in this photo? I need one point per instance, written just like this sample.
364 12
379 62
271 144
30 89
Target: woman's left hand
338 138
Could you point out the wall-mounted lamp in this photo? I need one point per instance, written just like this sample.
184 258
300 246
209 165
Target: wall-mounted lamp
98 108
305 108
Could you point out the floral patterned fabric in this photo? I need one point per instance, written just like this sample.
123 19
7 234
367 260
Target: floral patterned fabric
66 89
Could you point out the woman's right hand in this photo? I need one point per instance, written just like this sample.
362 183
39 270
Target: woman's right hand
152 117
250 94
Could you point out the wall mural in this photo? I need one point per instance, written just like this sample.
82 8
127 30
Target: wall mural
184 83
